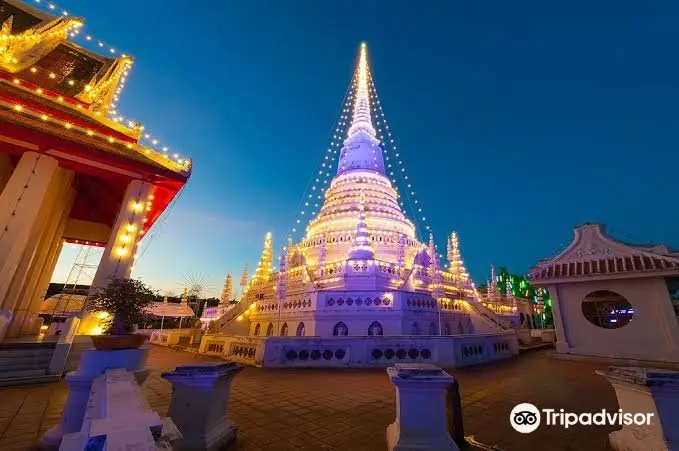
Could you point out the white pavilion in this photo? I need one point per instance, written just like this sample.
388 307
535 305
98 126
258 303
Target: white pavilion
360 270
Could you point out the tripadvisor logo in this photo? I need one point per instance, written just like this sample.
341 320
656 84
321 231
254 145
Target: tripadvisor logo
526 418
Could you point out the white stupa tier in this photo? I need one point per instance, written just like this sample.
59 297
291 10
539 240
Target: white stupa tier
360 269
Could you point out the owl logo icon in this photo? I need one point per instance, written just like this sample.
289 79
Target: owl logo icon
525 418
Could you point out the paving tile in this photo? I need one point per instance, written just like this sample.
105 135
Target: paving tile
345 409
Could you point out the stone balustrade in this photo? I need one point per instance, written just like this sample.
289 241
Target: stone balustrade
369 351
169 337
117 416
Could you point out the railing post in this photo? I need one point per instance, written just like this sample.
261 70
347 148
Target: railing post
421 421
199 405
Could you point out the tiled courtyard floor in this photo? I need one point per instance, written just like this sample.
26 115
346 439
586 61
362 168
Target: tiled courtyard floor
294 409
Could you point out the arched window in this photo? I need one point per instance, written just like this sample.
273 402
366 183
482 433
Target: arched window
257 329
447 330
300 330
269 330
375 328
607 309
340 329
522 319
432 329
284 330
415 329
460 328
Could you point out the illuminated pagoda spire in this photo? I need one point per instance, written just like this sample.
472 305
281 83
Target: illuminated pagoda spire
244 279
361 249
492 286
227 291
282 275
264 269
361 149
455 258
437 289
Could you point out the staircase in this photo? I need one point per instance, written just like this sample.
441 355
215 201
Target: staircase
26 363
221 324
490 315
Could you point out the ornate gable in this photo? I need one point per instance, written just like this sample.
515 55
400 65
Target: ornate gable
592 253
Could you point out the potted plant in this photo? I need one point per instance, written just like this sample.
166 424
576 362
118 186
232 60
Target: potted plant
121 303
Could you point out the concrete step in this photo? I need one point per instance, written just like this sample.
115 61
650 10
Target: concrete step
25 359
24 365
13 353
23 373
29 380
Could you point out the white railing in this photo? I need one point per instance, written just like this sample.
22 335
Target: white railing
169 337
369 351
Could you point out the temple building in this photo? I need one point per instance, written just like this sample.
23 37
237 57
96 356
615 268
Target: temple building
71 170
613 299
360 270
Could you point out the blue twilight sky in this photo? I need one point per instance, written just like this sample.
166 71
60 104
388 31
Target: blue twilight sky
516 119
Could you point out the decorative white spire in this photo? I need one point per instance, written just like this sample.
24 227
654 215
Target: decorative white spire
227 292
264 267
244 279
361 249
401 250
361 150
432 253
322 251
492 287
282 275
362 119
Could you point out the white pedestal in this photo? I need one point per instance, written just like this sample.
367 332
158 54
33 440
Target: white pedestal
92 365
646 391
421 422
199 405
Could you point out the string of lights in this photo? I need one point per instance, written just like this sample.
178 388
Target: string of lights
394 163
88 39
312 198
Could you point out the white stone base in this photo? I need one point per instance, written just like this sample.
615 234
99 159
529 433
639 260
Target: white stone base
401 442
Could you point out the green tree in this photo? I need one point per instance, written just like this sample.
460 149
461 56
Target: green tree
124 300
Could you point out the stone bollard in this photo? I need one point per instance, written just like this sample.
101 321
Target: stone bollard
93 364
421 422
199 405
653 394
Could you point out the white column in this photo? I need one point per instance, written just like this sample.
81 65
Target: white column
562 345
6 169
199 405
118 258
650 395
20 204
33 260
421 421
